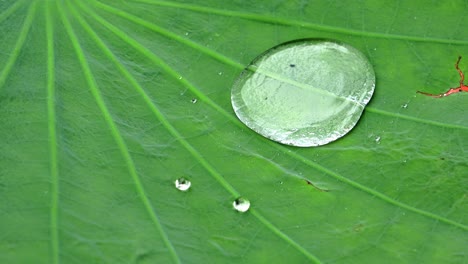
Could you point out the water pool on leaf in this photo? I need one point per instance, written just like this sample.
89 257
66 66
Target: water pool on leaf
304 93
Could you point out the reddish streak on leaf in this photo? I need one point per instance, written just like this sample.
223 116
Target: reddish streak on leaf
461 88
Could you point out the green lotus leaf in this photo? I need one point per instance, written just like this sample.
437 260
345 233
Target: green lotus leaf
105 104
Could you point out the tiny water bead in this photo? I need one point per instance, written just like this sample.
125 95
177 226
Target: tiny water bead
377 140
241 204
182 184
304 93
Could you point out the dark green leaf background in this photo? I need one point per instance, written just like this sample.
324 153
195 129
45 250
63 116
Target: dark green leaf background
97 122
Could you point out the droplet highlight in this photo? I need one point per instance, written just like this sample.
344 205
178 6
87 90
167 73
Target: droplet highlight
304 93
194 100
182 184
377 140
241 204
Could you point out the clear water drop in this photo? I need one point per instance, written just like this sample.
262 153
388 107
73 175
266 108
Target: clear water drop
404 105
377 140
194 100
241 204
220 73
182 184
304 93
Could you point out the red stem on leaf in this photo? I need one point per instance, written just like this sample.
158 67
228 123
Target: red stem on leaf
461 88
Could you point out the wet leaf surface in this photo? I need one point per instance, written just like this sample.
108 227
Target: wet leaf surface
98 121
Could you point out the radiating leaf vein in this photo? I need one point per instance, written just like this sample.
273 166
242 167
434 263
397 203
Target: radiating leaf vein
357 185
114 130
19 44
172 129
290 22
54 173
229 61
10 10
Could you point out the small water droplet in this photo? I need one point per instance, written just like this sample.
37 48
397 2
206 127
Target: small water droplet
377 140
180 77
220 73
182 184
186 33
316 90
404 105
194 100
241 204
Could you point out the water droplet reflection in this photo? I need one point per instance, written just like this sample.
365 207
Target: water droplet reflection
241 204
304 93
182 184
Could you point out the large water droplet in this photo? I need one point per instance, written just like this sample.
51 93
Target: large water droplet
182 184
241 204
304 93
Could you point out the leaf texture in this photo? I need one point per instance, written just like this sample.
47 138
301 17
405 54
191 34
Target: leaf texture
104 104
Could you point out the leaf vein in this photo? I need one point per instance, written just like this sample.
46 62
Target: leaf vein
168 34
114 130
213 172
291 22
52 136
357 185
229 61
378 194
5 14
19 44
